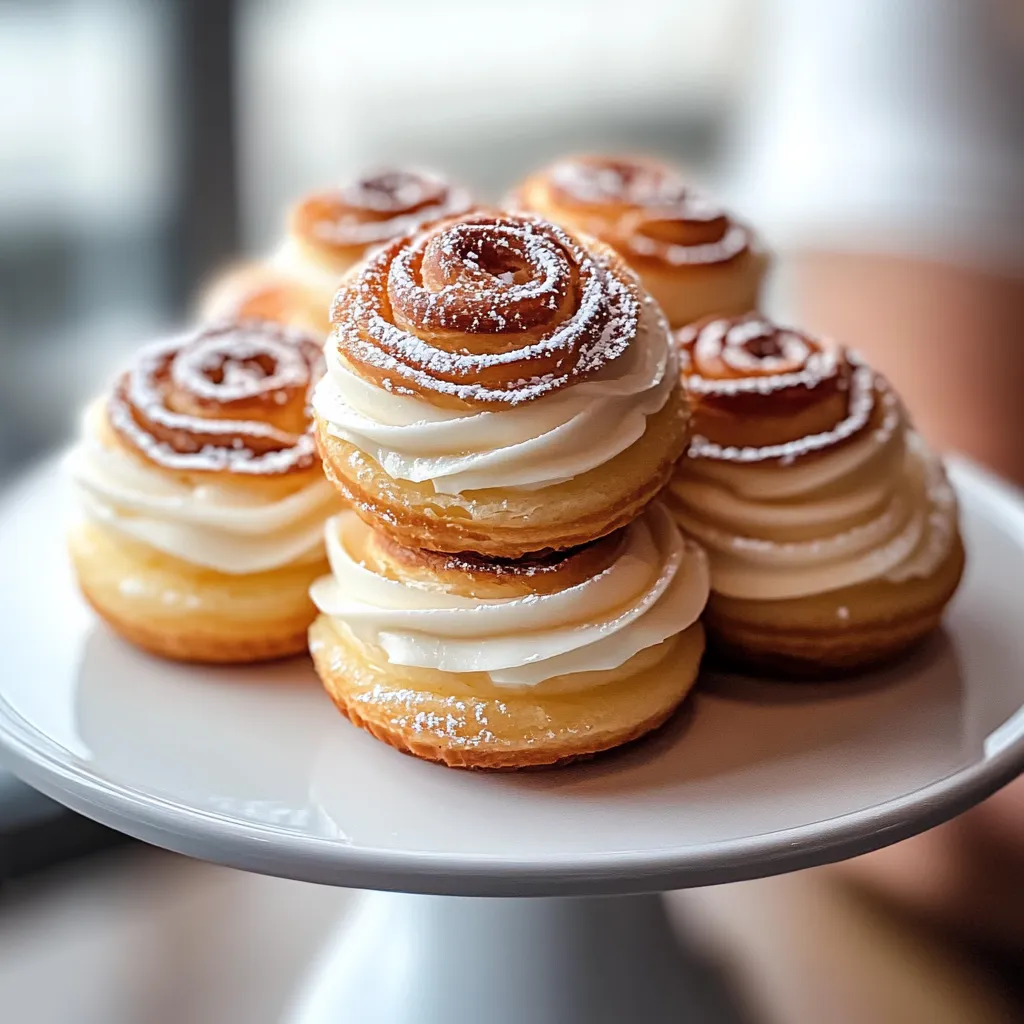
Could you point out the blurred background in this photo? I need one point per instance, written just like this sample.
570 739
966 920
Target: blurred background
877 145
147 142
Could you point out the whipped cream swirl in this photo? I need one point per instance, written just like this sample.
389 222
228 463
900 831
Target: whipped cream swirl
655 588
207 522
538 444
803 475
878 507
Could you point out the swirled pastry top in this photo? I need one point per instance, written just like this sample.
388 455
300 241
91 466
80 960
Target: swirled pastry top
203 451
642 208
231 398
585 613
803 475
341 224
494 351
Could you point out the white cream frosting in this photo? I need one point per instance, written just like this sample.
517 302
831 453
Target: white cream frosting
531 446
229 529
655 588
879 507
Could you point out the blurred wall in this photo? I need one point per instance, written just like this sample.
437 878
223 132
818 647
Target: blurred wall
140 133
485 91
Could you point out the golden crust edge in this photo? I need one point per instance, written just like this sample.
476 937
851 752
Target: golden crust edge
206 646
448 535
806 652
422 746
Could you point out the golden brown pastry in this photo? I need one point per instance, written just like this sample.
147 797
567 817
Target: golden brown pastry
260 291
484 663
495 384
204 501
831 529
328 233
691 256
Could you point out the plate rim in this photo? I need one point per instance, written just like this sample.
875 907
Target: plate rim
269 849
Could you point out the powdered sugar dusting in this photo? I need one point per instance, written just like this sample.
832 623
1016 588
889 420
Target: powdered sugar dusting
545 310
243 364
648 210
635 184
461 722
724 358
765 357
387 204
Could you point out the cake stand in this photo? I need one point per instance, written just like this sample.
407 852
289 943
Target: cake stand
254 768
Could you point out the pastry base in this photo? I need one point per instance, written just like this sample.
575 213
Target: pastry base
511 523
831 634
467 722
259 291
188 613
689 293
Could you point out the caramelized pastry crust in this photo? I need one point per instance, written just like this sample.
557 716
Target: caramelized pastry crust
535 661
338 227
203 497
831 528
186 612
692 256
495 384
468 723
507 523
497 663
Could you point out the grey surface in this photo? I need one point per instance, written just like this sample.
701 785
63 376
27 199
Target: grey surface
448 960
21 806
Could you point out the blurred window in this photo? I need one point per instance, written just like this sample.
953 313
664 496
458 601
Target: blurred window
483 91
85 201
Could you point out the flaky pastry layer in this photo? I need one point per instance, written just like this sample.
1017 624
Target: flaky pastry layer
510 523
688 293
836 632
464 721
692 256
468 574
189 613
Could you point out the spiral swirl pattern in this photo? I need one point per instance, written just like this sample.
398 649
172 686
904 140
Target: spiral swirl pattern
764 392
642 208
376 208
232 397
487 310
804 476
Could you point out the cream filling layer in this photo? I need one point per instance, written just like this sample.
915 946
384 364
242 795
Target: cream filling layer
655 588
217 526
528 447
879 507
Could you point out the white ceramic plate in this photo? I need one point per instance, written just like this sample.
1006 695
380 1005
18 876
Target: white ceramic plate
253 766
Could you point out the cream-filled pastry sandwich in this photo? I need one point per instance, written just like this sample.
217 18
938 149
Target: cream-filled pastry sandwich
202 496
691 255
496 384
830 527
492 663
329 232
